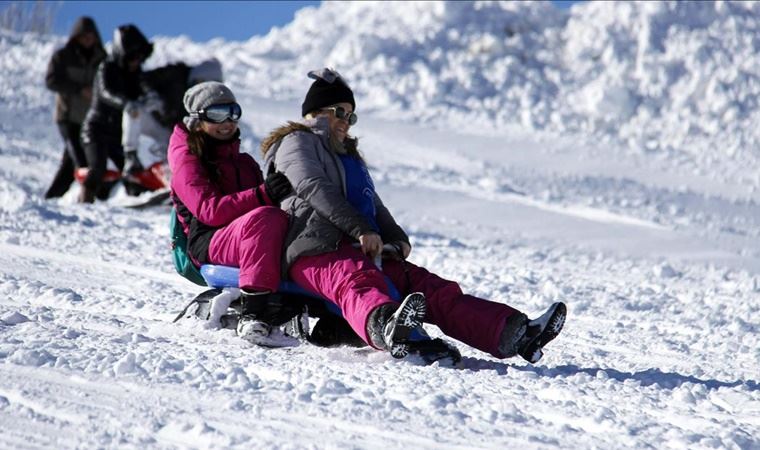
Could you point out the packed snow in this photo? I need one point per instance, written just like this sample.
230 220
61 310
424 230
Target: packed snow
606 156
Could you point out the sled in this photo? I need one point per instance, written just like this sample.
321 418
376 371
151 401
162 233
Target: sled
110 176
223 281
151 179
161 197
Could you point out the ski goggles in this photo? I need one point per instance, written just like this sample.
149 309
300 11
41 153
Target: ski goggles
340 113
219 113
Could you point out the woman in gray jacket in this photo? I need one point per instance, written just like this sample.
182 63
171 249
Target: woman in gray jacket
339 225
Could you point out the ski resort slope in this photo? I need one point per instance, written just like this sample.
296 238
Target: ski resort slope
659 267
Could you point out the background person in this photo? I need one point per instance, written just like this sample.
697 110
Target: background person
159 110
116 89
70 74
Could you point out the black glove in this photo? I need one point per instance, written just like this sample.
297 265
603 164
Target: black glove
277 186
132 163
393 250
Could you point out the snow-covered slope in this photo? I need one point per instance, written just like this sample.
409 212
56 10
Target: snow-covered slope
484 125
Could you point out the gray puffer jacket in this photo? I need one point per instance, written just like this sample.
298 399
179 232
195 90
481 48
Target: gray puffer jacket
319 213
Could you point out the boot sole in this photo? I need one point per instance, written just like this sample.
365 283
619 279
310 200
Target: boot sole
533 352
274 339
435 350
409 316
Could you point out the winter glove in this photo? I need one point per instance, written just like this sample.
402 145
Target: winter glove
132 163
277 186
397 250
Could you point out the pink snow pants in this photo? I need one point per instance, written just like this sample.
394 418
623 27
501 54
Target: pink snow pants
351 280
347 278
254 243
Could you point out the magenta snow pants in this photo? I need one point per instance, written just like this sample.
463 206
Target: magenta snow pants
347 278
472 320
254 243
351 280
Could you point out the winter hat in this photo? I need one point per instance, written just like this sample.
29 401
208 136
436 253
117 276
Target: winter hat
203 95
84 25
209 70
328 89
128 41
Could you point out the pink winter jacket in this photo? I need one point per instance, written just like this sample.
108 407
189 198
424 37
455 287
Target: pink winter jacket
213 201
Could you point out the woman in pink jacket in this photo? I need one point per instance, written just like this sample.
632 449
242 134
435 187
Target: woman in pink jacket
229 212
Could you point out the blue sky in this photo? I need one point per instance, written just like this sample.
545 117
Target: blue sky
200 20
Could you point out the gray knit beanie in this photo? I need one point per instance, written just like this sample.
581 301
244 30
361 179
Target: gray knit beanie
203 95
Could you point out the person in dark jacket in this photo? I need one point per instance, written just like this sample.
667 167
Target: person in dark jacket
339 227
116 89
70 74
162 107
170 83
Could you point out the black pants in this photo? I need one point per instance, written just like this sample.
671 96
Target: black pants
98 152
73 157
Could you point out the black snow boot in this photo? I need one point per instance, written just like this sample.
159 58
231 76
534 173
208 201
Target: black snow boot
332 331
261 317
86 195
532 335
251 325
436 350
390 325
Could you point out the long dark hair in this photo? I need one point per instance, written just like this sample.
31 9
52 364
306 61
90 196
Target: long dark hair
198 144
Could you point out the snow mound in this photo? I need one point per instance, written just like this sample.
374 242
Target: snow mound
673 81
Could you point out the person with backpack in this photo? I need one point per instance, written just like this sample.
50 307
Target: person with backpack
339 226
169 84
228 211
70 74
115 90
160 108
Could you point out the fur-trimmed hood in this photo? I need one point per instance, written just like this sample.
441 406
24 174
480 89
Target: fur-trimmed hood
278 133
321 215
316 126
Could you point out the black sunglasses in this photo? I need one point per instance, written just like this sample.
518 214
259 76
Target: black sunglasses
219 113
340 113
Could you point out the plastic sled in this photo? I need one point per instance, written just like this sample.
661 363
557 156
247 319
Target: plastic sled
152 178
224 281
111 176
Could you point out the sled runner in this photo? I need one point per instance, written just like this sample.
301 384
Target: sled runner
156 198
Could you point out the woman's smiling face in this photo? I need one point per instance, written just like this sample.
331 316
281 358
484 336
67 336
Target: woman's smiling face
221 131
339 127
